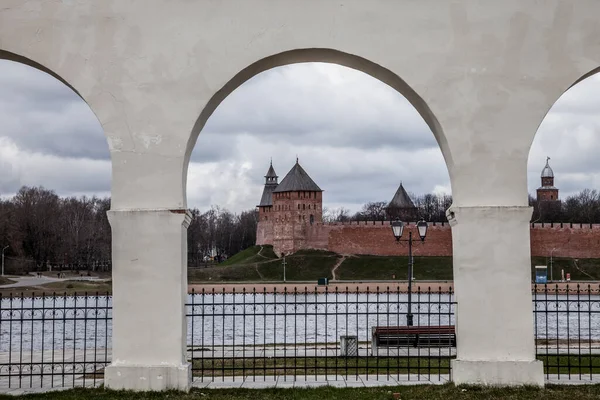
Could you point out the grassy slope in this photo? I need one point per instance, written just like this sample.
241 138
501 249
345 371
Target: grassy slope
5 281
313 264
303 265
425 392
68 287
589 268
366 267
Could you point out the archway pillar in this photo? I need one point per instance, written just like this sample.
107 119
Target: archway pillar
494 311
149 252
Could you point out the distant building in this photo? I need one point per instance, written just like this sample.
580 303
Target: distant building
548 203
547 192
291 219
401 206
287 209
266 201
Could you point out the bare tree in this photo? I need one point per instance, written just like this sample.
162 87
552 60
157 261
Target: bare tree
373 211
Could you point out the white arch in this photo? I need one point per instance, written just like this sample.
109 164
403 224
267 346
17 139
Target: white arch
325 55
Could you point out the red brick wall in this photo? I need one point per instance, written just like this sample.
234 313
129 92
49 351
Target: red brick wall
377 239
547 194
574 241
578 241
291 219
264 233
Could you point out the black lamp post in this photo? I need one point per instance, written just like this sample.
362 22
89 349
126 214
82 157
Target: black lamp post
398 229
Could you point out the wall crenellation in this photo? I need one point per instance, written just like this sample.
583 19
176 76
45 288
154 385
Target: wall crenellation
575 240
290 219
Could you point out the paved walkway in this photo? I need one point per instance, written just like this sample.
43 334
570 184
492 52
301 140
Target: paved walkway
262 382
37 281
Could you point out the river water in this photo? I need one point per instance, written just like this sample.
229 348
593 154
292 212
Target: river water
233 320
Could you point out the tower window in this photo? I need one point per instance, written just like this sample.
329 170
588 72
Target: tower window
304 206
298 206
551 197
299 218
312 219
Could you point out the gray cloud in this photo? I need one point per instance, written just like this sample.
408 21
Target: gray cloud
41 114
354 135
570 136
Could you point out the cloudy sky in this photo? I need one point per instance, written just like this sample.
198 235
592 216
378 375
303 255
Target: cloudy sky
355 136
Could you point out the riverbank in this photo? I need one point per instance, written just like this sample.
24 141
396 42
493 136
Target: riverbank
557 288
27 286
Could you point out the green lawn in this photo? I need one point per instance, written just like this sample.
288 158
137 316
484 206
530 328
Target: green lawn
309 265
229 273
583 269
365 267
421 392
574 365
302 366
303 265
250 255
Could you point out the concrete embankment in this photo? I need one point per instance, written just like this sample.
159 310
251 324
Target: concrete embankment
557 288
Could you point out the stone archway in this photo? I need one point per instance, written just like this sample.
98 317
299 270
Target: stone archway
488 84
326 56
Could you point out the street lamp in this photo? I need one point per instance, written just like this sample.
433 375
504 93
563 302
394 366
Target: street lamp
284 264
3 259
551 267
398 229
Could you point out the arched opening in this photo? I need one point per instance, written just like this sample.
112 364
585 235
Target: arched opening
322 56
430 207
55 181
563 182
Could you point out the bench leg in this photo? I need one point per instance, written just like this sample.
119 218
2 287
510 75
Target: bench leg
373 343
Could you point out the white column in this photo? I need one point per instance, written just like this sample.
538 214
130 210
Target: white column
149 252
492 279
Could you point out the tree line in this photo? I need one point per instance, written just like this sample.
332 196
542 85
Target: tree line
430 207
44 231
582 207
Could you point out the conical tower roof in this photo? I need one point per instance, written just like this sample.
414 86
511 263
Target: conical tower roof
297 180
401 199
270 185
271 172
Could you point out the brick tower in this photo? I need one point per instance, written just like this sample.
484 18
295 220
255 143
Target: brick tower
548 204
297 205
547 192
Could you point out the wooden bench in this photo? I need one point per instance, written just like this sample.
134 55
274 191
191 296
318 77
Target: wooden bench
414 336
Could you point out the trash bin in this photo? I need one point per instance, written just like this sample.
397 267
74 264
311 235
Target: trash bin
348 346
323 281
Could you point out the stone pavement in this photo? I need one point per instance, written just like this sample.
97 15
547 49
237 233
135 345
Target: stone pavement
262 382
